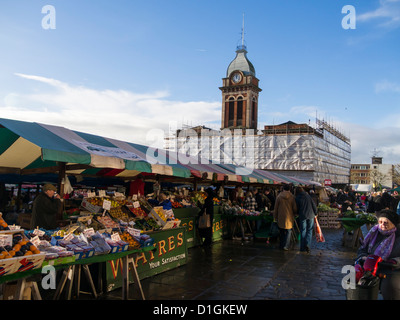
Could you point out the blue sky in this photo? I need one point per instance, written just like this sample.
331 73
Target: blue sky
122 68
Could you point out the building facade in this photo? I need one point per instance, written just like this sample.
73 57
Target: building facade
313 152
373 176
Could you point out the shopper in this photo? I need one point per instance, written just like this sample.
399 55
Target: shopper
383 240
386 200
250 202
284 212
347 200
307 210
45 209
259 200
208 207
270 201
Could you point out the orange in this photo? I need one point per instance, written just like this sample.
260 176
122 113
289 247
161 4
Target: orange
36 251
17 247
1 256
32 248
28 253
12 253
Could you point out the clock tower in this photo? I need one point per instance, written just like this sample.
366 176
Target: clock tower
240 92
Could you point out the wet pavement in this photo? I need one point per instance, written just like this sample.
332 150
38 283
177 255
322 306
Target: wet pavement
253 270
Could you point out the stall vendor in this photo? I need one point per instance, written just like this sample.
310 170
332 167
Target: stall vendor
45 208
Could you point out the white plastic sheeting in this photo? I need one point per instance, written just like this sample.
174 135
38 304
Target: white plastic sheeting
305 156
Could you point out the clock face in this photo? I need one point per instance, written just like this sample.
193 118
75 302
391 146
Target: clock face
237 77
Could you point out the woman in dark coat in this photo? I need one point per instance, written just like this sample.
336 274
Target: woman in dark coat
383 240
208 207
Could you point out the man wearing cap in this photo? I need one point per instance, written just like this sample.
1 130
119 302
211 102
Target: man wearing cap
45 208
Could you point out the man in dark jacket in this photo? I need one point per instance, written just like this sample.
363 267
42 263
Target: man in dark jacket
347 200
307 210
45 208
208 207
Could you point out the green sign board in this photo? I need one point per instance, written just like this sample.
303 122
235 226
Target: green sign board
170 251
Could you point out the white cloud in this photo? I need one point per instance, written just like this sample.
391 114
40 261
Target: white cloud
364 140
387 86
388 11
117 114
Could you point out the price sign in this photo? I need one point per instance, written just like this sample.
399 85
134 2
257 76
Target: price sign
134 232
91 194
107 205
38 232
102 193
115 237
136 204
35 240
5 240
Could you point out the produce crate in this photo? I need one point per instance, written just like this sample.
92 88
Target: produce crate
34 261
153 214
8 266
21 263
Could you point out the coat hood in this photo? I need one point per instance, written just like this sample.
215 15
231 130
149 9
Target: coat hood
285 194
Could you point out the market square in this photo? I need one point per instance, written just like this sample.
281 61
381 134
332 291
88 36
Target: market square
146 155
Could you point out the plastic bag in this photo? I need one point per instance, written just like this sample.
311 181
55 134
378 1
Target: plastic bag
318 231
204 221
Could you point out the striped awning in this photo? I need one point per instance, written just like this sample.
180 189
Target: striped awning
29 146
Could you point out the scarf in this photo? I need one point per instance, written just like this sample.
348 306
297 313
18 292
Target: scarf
384 249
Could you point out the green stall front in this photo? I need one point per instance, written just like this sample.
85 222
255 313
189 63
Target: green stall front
170 247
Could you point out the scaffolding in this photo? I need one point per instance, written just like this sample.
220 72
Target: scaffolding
297 150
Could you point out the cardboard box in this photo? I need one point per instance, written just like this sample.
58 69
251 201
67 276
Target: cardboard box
8 266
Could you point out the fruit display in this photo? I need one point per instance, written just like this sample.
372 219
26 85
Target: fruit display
216 201
138 212
127 237
176 204
107 222
119 214
153 224
160 212
3 224
20 246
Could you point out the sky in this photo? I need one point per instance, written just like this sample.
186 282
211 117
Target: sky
125 69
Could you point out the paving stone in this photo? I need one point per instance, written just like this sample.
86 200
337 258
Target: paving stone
255 271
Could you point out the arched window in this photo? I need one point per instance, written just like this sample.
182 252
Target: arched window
253 109
231 111
239 121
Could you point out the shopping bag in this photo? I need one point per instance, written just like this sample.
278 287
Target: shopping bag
273 230
318 231
204 221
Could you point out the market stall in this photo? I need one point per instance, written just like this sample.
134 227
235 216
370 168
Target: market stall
64 153
352 222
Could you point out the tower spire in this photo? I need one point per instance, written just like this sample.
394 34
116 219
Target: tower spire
242 46
243 31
